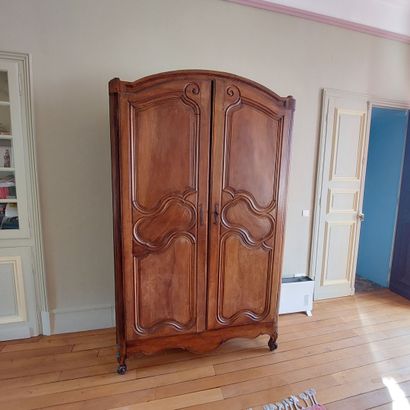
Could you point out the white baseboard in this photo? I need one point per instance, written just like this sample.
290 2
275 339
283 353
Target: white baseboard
15 331
84 318
45 323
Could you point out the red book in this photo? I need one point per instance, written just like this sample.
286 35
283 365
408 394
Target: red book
4 193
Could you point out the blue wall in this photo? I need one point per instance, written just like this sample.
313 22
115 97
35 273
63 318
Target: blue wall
386 146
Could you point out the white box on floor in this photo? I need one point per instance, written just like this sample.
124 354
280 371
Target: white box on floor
296 295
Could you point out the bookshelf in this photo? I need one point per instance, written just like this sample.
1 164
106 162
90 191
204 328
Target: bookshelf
9 199
21 258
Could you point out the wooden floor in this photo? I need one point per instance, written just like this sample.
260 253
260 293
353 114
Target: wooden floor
348 351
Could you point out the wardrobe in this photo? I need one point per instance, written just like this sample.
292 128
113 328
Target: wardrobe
199 175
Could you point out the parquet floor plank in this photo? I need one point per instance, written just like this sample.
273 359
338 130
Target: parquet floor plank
346 351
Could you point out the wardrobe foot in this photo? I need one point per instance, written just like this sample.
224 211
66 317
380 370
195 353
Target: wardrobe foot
122 368
272 344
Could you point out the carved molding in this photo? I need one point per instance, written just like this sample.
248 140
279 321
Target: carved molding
188 96
254 213
250 199
229 321
243 229
167 205
233 106
169 322
203 342
234 94
173 216
191 96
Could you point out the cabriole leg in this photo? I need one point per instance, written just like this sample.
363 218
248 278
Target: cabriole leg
272 344
122 366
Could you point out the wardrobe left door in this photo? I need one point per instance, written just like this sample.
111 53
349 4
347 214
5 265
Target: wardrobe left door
164 144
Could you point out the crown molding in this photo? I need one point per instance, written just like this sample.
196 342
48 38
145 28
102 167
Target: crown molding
321 18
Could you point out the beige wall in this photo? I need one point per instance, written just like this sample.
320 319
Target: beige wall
78 45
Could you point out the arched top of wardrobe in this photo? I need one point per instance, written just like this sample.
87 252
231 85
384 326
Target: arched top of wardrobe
118 86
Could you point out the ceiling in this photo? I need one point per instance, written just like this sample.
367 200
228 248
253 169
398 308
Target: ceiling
384 18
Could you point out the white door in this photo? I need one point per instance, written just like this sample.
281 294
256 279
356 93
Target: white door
343 147
19 317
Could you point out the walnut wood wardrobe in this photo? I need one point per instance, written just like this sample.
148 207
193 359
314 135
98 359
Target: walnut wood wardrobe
199 170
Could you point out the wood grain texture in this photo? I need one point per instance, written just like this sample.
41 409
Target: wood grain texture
346 364
200 163
164 143
250 155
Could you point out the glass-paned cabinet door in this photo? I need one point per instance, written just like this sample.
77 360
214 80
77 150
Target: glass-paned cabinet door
13 201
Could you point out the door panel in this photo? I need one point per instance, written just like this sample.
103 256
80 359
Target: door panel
165 287
400 271
250 143
243 295
165 216
340 183
164 131
244 266
17 297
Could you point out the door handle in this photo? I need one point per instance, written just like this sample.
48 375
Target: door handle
360 215
216 214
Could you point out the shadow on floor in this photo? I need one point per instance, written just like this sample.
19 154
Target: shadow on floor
363 285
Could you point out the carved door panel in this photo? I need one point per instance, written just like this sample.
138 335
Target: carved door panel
164 186
246 219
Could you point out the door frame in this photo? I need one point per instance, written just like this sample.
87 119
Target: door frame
24 62
372 101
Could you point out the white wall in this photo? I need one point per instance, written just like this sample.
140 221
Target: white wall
78 45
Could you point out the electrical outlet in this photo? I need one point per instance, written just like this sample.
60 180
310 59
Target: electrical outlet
306 213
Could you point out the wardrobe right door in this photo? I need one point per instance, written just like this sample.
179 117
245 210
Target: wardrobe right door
250 148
